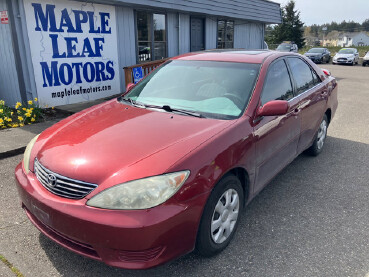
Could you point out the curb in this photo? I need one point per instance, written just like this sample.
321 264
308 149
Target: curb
12 153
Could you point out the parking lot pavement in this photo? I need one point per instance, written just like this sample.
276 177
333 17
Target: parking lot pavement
311 220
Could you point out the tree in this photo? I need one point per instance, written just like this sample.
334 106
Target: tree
291 28
365 25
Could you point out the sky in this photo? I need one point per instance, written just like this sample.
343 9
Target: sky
326 11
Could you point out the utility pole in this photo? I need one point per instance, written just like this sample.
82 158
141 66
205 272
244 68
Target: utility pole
324 28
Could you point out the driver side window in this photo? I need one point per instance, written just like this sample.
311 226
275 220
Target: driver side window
277 85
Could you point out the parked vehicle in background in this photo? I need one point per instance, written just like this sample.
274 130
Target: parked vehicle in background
366 59
288 46
319 55
169 166
346 56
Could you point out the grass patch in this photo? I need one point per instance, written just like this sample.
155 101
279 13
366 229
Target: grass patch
12 268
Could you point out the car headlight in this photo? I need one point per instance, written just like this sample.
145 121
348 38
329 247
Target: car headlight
27 154
140 194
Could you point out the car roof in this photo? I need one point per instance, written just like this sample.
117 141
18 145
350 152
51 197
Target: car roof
229 55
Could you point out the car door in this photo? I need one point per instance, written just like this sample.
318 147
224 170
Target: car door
276 137
312 95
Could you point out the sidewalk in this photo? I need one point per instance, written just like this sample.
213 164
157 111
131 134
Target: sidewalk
13 141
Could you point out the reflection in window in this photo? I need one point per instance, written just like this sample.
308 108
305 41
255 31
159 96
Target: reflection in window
151 37
225 34
302 74
278 83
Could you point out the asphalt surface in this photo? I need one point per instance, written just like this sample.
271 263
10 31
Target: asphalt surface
311 220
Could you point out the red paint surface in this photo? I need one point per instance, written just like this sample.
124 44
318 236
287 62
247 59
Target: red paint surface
113 143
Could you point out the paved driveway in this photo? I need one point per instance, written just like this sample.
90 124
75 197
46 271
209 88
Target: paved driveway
312 219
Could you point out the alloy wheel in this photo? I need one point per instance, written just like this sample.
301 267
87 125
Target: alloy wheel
225 216
322 133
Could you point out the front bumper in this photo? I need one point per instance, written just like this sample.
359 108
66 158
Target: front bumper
316 59
137 239
340 61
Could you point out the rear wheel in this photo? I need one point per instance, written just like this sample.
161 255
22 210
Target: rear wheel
220 217
317 146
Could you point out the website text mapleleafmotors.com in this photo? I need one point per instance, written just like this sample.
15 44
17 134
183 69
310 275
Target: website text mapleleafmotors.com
80 90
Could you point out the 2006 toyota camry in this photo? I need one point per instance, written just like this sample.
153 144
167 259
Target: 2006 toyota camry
168 167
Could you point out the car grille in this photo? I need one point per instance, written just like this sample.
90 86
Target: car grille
60 185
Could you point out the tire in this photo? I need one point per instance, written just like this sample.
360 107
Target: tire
226 198
319 140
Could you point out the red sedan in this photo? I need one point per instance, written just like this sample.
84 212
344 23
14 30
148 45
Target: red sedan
169 166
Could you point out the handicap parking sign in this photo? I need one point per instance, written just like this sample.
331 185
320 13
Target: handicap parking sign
137 74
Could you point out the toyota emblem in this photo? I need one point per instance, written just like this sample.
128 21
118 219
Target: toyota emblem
51 180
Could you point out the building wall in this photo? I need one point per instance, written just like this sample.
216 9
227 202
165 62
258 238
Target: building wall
9 85
361 38
184 33
255 10
211 32
172 25
126 40
248 35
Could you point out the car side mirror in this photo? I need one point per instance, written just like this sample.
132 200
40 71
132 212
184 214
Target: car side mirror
129 86
272 108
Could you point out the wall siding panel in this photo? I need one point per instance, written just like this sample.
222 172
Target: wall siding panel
211 28
9 85
184 33
248 35
126 40
255 10
172 25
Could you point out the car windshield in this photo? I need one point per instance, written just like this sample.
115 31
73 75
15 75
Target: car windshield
316 50
285 47
212 89
346 51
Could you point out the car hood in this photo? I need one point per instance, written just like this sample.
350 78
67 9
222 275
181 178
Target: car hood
345 55
102 141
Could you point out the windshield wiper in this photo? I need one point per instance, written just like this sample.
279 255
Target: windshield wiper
168 108
133 102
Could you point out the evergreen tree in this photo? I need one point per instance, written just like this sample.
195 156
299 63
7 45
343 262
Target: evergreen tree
291 28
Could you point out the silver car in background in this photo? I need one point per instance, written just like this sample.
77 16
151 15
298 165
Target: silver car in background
346 56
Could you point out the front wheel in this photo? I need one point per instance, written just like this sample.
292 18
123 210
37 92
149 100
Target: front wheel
220 217
317 146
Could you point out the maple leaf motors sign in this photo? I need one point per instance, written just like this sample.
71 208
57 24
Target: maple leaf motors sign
74 50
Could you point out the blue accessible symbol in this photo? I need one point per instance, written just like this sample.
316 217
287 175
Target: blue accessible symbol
137 74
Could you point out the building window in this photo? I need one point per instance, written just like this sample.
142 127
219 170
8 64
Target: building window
225 34
151 37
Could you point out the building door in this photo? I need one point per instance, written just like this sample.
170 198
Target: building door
197 34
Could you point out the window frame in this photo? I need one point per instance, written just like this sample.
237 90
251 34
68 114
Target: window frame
225 33
152 33
295 92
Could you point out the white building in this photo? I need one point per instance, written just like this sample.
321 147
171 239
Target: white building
353 39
